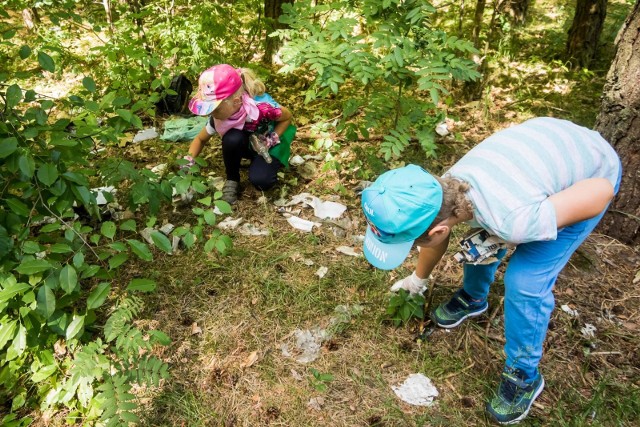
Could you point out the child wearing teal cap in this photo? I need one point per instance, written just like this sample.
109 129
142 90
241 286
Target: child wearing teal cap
541 186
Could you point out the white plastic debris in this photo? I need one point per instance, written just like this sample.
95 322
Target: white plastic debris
321 209
442 129
302 224
322 271
348 251
308 344
100 199
230 223
251 230
416 390
571 312
145 134
296 160
159 169
167 229
588 331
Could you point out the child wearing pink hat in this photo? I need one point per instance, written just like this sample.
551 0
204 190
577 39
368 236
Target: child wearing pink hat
238 107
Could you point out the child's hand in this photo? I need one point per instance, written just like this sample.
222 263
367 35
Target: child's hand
413 284
190 162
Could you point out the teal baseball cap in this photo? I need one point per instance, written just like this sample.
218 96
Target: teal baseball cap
399 206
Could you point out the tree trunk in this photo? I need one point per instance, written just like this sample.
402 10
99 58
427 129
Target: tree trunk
477 22
619 123
585 30
272 12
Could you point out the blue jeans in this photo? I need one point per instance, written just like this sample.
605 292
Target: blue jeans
528 280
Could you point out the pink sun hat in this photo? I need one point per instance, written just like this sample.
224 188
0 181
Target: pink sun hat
215 84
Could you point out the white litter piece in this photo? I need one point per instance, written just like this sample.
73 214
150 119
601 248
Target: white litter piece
100 199
145 134
159 169
442 129
571 312
315 157
308 344
229 223
302 224
175 243
416 390
146 235
307 262
167 229
348 251
322 271
588 331
321 208
296 160
251 230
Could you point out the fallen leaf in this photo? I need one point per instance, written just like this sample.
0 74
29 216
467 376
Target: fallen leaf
250 360
195 329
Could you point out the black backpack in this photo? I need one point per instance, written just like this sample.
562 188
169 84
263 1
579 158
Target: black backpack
176 104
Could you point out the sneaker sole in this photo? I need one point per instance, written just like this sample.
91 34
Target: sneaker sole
453 325
525 413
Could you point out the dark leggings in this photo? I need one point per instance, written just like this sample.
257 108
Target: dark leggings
235 147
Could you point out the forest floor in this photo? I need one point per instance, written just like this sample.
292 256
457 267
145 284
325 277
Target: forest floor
234 319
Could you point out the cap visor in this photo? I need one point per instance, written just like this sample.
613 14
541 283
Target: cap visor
385 256
202 108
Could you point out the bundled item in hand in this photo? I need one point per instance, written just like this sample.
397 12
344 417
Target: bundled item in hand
259 146
479 247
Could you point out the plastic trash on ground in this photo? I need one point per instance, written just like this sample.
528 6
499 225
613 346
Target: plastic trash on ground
322 209
302 224
229 223
145 134
296 160
571 312
308 344
348 251
322 271
100 191
416 390
247 229
442 129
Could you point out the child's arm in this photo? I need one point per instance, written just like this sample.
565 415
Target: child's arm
283 122
198 142
583 200
429 257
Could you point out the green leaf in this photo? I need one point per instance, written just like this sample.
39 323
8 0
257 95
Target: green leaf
68 279
46 62
8 146
98 296
210 217
89 84
33 266
128 225
117 260
46 302
161 337
17 207
43 373
142 285
161 241
24 52
108 229
140 249
14 96
224 207
47 174
60 248
20 340
27 165
125 114
75 327
7 330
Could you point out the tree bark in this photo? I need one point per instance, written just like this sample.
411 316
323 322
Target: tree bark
272 12
619 123
584 34
517 10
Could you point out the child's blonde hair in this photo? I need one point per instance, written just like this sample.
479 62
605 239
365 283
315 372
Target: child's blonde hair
252 84
454 203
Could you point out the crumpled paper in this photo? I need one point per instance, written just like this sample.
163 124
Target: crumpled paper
416 390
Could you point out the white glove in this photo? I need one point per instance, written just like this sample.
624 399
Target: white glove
413 284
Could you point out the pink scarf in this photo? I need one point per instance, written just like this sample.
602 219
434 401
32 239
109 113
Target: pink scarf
248 112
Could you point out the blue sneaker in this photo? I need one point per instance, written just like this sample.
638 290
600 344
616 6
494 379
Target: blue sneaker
460 307
514 398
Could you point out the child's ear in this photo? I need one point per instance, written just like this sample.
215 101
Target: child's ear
439 230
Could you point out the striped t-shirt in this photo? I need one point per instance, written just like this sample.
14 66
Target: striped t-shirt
513 172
